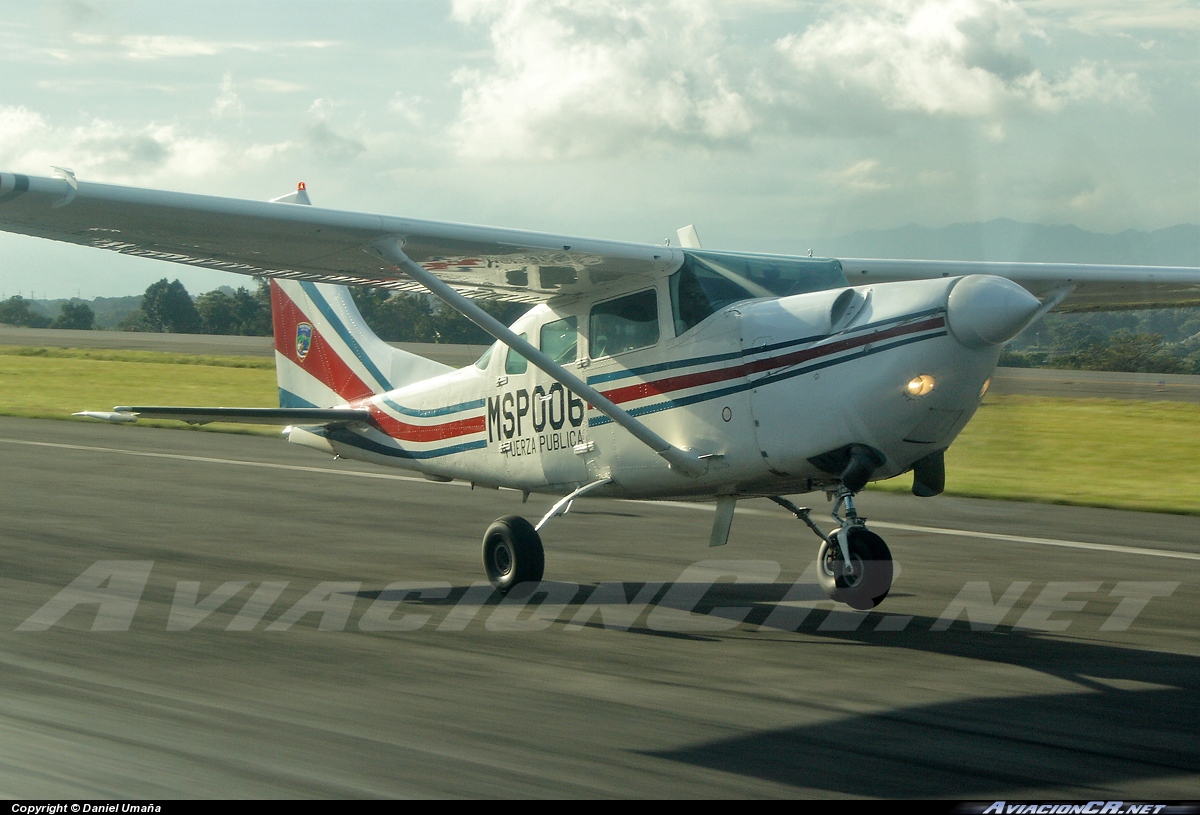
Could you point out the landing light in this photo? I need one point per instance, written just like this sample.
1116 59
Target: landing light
920 385
987 384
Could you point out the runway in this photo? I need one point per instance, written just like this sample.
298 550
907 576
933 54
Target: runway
216 344
288 625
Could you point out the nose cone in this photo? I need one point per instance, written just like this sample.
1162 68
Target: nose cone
986 310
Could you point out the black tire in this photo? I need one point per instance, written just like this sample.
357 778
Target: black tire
872 578
512 553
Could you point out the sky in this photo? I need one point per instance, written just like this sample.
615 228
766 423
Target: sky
769 124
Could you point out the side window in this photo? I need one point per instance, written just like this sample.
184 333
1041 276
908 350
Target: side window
514 363
623 324
486 359
559 339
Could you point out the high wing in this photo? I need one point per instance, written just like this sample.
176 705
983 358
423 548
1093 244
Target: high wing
1082 287
311 243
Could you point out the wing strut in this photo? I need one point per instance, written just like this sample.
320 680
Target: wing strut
684 461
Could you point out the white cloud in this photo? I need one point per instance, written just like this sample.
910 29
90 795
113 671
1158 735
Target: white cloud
407 108
159 47
939 57
227 102
862 176
1089 200
153 154
580 78
1120 16
144 47
274 85
327 142
577 79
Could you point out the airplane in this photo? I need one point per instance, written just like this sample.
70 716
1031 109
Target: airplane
641 371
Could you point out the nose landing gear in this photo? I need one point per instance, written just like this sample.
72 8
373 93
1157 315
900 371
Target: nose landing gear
854 565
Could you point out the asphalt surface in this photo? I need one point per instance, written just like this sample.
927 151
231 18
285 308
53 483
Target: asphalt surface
625 675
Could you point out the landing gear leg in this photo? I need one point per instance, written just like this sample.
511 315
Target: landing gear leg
512 547
854 565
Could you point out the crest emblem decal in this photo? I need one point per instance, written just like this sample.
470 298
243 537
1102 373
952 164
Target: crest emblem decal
304 332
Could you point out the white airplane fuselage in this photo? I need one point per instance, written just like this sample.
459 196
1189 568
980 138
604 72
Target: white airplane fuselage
762 389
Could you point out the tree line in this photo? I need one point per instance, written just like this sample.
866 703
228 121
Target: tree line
16 310
1161 341
1158 341
166 306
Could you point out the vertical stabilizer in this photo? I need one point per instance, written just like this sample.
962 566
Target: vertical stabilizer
326 355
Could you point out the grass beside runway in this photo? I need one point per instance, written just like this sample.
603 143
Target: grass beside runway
53 383
1090 452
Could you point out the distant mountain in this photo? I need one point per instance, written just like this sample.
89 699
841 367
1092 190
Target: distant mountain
1004 239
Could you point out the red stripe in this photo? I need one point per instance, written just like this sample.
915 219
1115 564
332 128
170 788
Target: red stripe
403 431
321 362
659 387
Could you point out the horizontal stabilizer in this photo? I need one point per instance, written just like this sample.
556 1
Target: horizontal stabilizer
204 415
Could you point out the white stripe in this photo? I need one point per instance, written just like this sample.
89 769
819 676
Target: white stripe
1101 547
232 461
967 533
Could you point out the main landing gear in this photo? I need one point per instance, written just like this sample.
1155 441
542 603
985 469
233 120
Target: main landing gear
512 547
512 553
854 565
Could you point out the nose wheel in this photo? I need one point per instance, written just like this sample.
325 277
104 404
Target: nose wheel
862 582
854 565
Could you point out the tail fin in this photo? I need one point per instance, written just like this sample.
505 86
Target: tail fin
326 354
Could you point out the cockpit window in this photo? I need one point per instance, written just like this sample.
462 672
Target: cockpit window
560 338
623 324
486 359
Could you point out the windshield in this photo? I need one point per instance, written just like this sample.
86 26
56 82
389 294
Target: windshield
709 281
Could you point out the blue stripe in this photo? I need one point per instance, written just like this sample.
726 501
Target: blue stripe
751 352
343 436
327 311
445 411
758 383
287 399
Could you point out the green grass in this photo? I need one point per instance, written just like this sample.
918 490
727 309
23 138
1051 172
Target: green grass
53 383
1090 452
153 357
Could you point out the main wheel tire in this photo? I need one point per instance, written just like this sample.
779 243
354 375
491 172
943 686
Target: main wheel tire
872 576
512 553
